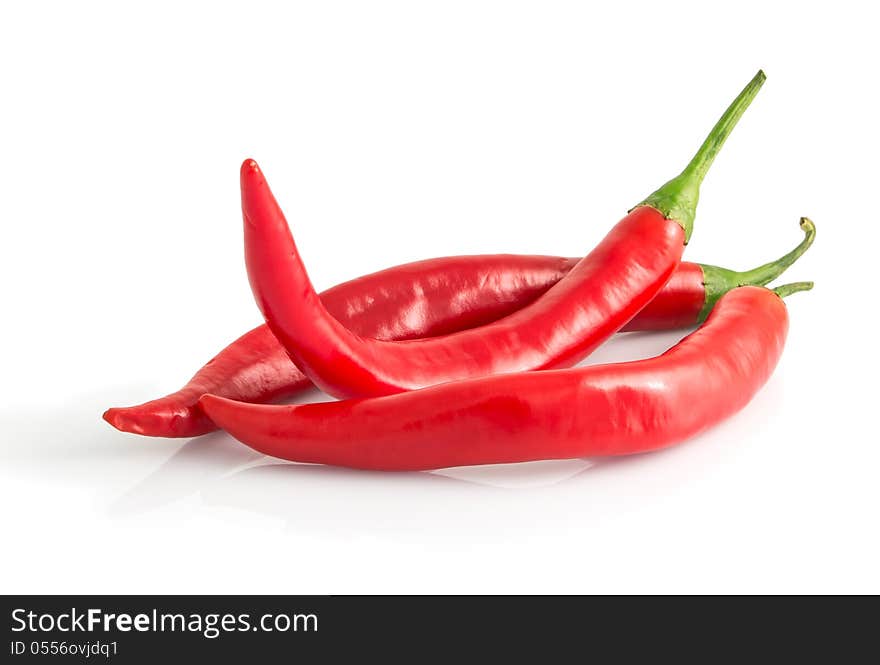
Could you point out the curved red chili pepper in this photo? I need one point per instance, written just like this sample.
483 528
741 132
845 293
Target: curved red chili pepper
615 409
422 299
603 292
432 297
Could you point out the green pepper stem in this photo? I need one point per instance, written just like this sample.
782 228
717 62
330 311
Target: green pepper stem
787 289
718 281
769 271
677 199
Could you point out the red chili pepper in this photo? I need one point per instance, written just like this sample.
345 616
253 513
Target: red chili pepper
603 292
422 299
615 409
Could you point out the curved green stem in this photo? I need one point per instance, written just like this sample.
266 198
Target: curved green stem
677 199
718 281
769 271
787 289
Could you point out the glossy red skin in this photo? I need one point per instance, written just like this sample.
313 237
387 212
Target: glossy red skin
597 298
679 303
615 409
420 299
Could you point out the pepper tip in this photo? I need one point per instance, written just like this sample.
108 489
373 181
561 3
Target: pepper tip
153 419
119 418
249 165
208 398
110 416
208 402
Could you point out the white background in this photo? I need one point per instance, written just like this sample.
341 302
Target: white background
398 131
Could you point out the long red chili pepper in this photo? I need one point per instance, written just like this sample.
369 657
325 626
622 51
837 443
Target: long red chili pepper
423 299
604 291
614 409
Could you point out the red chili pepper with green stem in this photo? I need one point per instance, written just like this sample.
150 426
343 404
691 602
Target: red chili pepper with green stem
598 297
423 299
614 409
